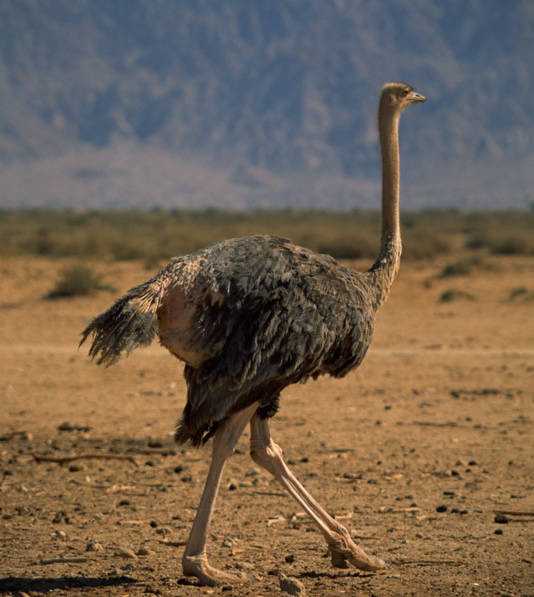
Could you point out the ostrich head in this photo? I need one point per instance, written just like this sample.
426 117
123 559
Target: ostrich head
398 96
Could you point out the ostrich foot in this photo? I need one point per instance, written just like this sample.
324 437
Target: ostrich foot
210 576
343 551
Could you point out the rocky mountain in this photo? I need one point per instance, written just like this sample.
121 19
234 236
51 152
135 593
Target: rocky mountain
262 103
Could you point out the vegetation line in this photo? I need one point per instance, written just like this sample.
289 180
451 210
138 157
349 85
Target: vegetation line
158 235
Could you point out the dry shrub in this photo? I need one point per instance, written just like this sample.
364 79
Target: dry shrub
77 280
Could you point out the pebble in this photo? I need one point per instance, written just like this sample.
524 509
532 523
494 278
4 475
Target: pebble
125 552
291 585
93 546
144 551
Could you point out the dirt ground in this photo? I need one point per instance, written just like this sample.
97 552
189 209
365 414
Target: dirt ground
414 452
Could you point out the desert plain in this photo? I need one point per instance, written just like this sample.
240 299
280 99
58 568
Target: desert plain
425 453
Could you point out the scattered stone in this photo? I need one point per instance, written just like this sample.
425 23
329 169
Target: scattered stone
291 585
441 508
125 552
252 471
93 546
145 551
116 572
501 519
73 427
61 534
128 567
62 516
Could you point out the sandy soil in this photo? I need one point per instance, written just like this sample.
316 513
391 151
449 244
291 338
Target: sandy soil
414 452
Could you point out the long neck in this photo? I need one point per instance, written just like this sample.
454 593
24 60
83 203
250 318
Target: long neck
388 125
386 267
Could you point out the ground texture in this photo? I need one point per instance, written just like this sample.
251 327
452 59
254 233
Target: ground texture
416 453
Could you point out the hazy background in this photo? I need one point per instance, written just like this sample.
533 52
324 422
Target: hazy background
262 103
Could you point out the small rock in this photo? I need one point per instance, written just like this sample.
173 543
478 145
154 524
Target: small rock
501 519
144 551
126 552
441 508
128 567
93 546
61 534
116 572
252 471
291 585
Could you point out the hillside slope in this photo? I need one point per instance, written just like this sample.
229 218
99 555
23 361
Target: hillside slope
250 104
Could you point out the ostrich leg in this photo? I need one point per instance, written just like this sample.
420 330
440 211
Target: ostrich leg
195 559
342 549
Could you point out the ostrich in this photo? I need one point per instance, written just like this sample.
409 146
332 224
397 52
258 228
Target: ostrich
250 316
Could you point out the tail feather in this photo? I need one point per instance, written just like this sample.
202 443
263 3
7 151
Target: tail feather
129 323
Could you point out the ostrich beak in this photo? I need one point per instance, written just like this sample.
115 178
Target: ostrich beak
415 98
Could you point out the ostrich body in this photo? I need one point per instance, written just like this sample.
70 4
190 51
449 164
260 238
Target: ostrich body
250 316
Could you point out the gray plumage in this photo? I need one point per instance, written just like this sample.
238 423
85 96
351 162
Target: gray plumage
249 316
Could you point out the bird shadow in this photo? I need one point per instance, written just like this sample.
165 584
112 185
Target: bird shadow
13 584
